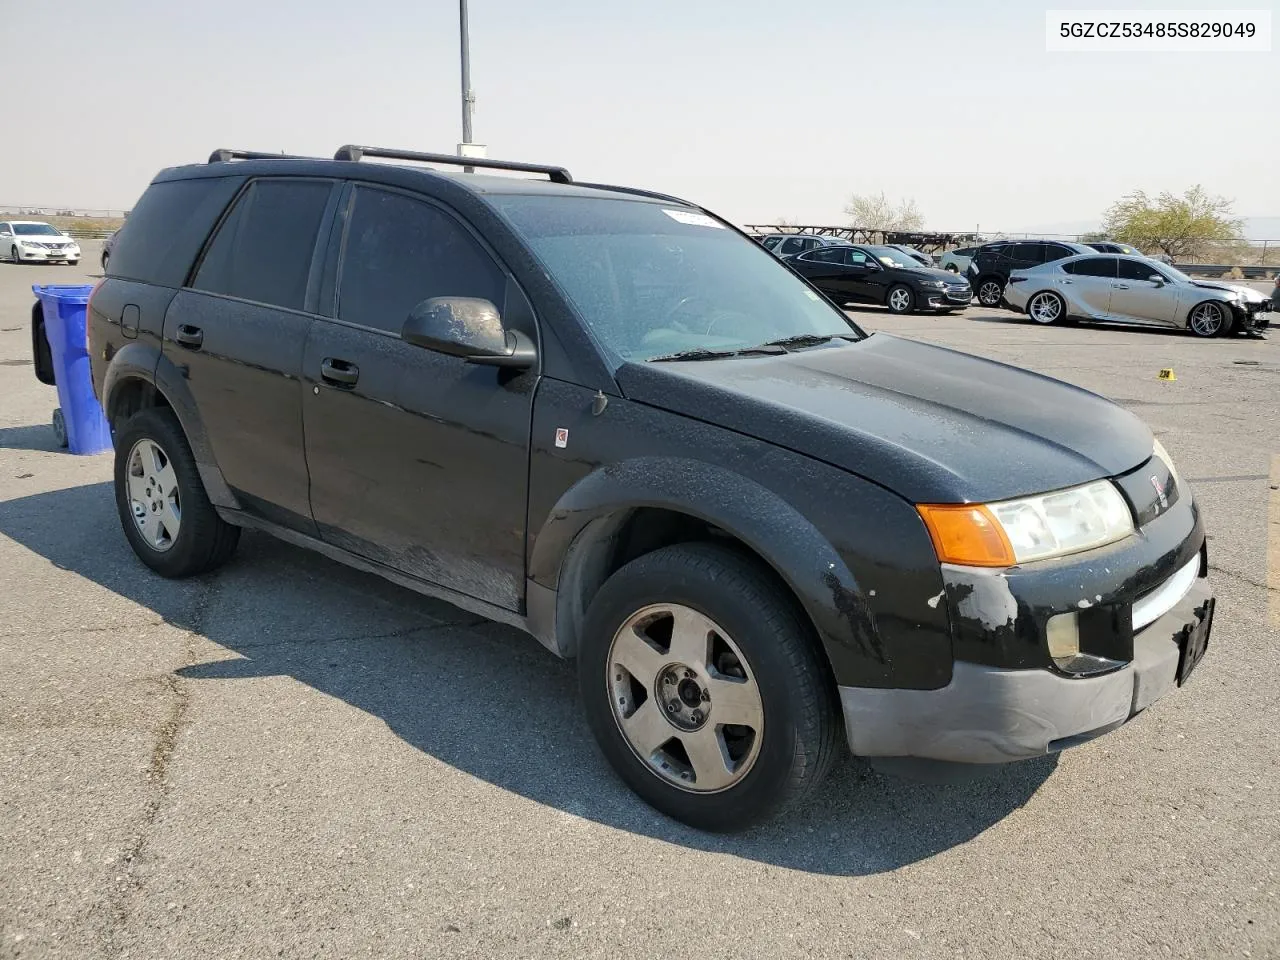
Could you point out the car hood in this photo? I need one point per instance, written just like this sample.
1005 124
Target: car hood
932 424
931 273
1246 293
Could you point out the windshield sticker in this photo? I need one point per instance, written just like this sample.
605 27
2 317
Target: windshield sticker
693 218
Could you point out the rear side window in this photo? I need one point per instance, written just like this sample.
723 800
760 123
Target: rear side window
1092 267
167 227
771 242
1027 252
400 251
1056 251
792 245
263 249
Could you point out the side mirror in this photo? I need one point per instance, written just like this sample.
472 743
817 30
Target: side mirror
1157 280
469 328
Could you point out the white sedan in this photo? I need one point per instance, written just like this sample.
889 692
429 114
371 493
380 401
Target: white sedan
30 240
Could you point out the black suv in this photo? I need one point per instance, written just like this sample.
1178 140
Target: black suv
989 268
609 418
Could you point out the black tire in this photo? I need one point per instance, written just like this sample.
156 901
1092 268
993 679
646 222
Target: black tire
74 263
800 728
952 267
13 255
1225 317
905 297
989 291
204 541
60 429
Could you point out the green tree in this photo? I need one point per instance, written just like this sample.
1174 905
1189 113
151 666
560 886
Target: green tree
1178 226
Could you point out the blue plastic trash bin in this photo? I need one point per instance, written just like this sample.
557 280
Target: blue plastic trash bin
80 414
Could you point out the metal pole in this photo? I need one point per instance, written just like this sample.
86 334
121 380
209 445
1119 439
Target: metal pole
468 99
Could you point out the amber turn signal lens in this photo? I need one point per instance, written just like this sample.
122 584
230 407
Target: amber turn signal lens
967 534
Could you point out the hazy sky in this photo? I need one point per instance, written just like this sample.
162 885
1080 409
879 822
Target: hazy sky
755 109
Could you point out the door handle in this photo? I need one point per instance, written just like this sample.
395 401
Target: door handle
1120 286
190 336
340 373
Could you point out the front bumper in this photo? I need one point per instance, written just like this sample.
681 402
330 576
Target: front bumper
946 299
71 253
994 715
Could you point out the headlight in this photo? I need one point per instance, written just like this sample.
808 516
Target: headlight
1031 528
932 283
30 243
1158 450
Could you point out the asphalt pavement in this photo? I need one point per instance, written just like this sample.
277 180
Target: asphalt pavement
290 758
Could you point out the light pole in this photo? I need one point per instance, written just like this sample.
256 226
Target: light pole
468 98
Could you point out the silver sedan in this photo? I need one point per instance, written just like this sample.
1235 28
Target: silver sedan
1132 290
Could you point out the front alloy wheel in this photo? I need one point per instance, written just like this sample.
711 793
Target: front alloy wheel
1209 320
705 686
683 698
900 299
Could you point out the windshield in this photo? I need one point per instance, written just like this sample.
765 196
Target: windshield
650 280
35 230
1166 270
892 258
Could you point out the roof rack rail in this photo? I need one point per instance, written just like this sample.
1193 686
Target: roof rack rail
223 155
637 191
352 151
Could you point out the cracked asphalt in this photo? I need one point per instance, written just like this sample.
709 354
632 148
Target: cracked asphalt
293 759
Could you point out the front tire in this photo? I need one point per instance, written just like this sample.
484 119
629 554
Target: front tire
163 507
900 299
705 689
990 291
1209 319
1046 308
13 255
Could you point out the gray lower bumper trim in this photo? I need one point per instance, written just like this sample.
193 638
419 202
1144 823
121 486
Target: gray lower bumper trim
990 715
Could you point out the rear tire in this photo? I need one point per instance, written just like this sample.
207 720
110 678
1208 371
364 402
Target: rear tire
1046 308
703 617
989 291
158 489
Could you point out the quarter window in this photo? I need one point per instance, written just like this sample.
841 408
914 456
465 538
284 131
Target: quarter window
263 250
400 251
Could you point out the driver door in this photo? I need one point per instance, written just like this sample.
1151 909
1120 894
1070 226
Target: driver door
419 461
864 278
1135 296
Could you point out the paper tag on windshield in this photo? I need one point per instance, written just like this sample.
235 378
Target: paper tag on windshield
693 218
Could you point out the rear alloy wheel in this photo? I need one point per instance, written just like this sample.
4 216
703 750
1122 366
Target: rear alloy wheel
900 299
1046 308
990 292
163 506
704 687
1209 319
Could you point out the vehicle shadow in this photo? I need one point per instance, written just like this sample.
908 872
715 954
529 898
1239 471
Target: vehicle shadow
484 698
38 437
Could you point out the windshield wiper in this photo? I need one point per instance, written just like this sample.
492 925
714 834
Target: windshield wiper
809 340
702 353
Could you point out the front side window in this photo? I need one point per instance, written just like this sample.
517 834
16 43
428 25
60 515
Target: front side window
650 280
400 251
1137 270
263 249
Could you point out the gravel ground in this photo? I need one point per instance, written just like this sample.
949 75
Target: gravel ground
293 759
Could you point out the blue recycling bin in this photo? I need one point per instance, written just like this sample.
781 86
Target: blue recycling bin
79 421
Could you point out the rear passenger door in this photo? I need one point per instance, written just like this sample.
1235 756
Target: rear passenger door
1089 282
238 332
419 461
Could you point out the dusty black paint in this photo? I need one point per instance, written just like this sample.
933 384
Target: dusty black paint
446 476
